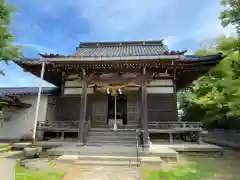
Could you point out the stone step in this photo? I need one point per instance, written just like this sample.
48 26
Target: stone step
107 163
110 133
96 150
117 141
130 144
110 160
111 130
111 137
111 141
131 126
112 169
136 123
99 160
114 144
73 158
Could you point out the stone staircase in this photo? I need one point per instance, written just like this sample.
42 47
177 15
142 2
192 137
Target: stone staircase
105 136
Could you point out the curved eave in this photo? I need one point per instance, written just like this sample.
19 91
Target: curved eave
185 62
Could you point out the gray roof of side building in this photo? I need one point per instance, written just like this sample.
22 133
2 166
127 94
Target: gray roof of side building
25 90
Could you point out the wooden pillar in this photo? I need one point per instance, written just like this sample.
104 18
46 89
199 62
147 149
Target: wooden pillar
140 123
175 95
83 108
145 113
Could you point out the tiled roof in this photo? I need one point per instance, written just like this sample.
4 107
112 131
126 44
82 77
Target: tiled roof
25 90
213 57
129 50
114 49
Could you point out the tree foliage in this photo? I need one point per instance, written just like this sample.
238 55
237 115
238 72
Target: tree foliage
7 50
215 96
231 13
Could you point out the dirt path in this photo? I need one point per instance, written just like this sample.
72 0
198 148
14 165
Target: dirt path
76 172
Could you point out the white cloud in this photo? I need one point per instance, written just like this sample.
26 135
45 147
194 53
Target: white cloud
126 19
135 20
151 19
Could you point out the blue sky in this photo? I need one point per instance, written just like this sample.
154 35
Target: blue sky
59 25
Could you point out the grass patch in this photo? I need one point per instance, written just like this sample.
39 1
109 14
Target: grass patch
5 146
29 174
192 170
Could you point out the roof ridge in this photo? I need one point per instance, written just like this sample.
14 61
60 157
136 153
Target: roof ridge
120 43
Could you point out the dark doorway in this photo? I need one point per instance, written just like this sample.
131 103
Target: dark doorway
121 104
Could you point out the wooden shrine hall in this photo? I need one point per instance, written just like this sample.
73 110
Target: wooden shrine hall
118 86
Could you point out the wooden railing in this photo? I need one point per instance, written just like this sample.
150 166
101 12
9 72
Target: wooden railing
170 125
189 131
58 126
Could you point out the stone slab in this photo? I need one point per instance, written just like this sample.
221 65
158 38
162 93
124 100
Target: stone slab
45 144
162 150
221 142
68 158
15 155
106 150
38 164
189 147
149 159
7 167
153 161
30 152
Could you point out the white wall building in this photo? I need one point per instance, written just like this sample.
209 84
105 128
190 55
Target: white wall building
18 122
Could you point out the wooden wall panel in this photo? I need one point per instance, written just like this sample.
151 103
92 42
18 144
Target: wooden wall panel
68 108
161 107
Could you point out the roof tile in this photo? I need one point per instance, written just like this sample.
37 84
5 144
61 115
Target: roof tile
110 49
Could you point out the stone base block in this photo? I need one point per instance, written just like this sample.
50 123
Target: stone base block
151 162
30 152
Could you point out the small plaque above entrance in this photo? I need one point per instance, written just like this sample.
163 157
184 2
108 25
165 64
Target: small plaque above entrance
118 78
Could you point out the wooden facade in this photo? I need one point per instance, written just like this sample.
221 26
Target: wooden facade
149 96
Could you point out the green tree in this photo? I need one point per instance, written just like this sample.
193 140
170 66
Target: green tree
7 50
215 96
231 13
